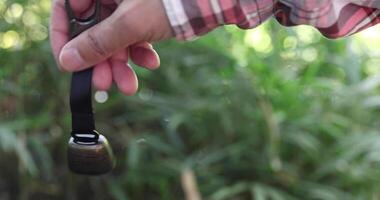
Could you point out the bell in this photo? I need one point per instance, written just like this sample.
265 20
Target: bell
90 159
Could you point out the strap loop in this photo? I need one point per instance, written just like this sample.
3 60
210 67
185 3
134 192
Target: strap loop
89 138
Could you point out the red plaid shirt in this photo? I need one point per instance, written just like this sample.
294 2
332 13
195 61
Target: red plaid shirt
333 18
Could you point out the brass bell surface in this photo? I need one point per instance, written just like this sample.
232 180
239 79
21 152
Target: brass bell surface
90 159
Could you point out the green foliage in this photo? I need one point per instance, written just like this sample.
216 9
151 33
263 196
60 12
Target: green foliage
274 113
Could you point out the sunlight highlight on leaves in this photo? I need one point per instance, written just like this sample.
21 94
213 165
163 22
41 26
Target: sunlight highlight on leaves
45 5
290 42
307 34
310 54
259 39
30 18
10 39
367 41
13 13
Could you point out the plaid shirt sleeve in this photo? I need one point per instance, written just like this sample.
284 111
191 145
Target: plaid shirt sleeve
333 18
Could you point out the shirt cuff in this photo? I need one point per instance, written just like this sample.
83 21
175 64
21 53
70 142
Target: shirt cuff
190 19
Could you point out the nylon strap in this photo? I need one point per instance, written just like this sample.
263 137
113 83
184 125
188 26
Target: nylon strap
83 123
81 102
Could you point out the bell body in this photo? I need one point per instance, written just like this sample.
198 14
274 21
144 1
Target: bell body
90 159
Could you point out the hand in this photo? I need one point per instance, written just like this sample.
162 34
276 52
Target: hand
125 31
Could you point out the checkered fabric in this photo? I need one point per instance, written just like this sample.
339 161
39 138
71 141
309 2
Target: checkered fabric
333 18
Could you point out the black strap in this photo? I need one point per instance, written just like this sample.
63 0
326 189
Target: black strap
81 102
83 123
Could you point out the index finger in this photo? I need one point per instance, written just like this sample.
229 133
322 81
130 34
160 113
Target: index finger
59 23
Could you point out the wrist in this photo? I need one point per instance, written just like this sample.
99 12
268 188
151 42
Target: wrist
145 20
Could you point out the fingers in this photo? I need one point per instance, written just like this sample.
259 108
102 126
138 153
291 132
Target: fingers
116 68
132 21
123 74
58 27
104 44
125 78
102 76
59 22
144 55
98 43
80 6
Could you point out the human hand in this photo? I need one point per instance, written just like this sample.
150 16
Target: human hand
125 31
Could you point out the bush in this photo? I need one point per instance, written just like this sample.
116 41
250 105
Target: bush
270 113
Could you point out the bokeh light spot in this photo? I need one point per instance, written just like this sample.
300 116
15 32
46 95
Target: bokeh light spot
372 66
307 34
46 5
13 13
310 54
259 39
367 41
38 33
30 18
9 39
290 42
101 96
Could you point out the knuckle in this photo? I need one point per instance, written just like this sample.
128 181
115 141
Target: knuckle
95 44
136 27
124 21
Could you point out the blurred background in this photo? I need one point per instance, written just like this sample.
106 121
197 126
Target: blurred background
271 113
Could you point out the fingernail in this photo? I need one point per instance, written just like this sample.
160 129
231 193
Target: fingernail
150 56
153 59
71 60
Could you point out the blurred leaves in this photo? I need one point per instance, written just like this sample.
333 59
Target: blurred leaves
270 113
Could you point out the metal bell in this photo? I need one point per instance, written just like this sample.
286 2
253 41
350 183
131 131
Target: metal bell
92 158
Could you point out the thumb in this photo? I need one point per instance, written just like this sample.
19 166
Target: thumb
97 43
